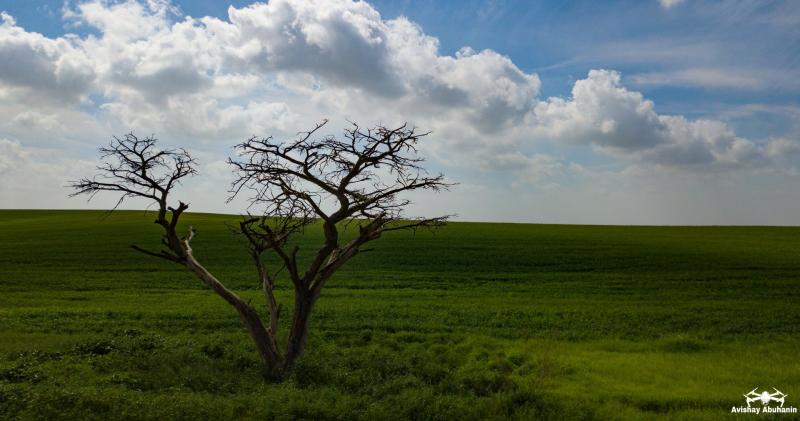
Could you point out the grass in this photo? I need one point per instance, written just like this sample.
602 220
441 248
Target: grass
475 321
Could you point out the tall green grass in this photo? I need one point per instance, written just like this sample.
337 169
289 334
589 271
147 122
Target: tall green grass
474 321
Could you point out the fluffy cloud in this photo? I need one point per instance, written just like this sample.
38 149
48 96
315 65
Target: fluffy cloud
613 119
211 77
600 112
40 69
343 42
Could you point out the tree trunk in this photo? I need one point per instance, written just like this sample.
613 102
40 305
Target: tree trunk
303 304
263 339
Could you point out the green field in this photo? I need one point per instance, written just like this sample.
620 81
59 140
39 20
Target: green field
475 321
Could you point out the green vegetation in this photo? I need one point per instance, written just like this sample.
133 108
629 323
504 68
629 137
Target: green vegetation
474 321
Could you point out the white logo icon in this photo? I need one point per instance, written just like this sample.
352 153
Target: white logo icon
765 397
771 403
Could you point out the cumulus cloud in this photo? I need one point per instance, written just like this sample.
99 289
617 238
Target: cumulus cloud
613 119
207 76
124 21
343 42
37 68
600 112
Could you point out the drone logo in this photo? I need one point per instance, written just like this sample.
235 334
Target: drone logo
765 398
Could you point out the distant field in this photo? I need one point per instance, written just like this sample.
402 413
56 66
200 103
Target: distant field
475 321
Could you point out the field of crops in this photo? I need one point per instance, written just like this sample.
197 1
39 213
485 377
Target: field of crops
474 321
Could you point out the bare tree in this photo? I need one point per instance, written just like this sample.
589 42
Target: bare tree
356 181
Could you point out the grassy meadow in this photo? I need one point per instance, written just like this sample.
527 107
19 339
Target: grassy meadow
474 321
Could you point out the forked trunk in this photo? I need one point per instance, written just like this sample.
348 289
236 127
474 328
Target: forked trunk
343 170
263 339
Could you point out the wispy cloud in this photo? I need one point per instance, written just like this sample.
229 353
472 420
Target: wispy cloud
706 78
669 4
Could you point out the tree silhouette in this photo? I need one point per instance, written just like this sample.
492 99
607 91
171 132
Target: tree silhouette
357 180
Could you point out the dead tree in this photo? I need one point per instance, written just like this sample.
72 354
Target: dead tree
356 181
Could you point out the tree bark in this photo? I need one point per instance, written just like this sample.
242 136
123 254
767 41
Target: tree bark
265 343
303 305
272 306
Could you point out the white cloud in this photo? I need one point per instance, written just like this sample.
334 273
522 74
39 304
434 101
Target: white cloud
123 21
600 112
34 177
37 69
702 78
275 68
669 4
613 119
780 148
538 169
9 154
210 77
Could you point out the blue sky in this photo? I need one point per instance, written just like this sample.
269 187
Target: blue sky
662 111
